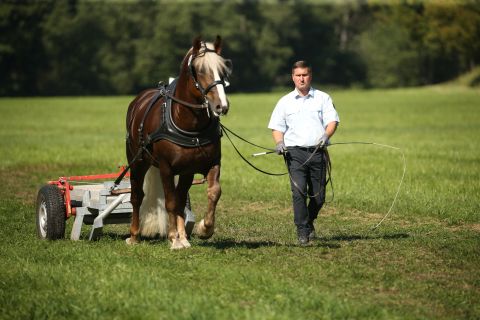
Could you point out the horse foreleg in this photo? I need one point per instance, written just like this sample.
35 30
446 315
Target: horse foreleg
176 231
169 189
206 226
136 180
181 191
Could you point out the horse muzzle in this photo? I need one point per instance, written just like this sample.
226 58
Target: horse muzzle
222 109
219 109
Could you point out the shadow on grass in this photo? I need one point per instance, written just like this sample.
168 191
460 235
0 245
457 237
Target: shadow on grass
232 243
220 244
357 237
332 242
114 236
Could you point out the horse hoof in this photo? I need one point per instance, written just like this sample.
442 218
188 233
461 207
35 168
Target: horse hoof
130 241
185 243
203 232
180 244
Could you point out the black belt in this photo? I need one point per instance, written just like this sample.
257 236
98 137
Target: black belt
309 149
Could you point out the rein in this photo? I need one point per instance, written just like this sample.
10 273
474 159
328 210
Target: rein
225 129
325 154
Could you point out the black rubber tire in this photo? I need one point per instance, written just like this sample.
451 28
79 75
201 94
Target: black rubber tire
51 213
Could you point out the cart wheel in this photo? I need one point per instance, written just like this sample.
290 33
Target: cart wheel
51 213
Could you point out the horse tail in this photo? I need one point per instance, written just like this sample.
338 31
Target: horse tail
153 215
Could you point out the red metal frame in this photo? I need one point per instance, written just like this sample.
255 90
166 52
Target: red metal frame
65 187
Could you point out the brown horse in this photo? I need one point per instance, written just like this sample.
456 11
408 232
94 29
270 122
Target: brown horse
175 131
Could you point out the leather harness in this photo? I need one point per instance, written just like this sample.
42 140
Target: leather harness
168 130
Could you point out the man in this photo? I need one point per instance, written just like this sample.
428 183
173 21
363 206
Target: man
302 123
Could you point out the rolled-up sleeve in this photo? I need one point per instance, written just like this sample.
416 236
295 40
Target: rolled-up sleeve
277 120
329 112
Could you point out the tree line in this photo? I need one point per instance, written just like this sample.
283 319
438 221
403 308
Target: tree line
74 47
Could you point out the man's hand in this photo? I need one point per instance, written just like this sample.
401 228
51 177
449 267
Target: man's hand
280 148
323 141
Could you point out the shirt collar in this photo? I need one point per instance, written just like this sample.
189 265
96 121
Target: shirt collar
310 93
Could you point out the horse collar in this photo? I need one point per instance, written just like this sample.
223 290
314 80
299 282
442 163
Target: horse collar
168 130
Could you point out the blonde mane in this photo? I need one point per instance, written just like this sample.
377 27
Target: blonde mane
208 62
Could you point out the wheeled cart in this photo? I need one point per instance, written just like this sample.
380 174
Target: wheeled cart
94 204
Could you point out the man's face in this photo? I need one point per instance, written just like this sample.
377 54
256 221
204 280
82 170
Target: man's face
302 78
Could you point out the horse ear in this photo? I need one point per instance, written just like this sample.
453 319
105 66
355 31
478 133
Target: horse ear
218 45
197 43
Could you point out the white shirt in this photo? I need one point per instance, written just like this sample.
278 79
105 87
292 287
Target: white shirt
303 119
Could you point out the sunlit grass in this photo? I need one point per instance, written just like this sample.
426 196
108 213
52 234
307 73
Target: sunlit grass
421 263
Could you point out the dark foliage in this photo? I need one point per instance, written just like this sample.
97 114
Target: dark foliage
70 47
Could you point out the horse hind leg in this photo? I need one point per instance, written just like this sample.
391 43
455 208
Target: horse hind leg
206 226
137 175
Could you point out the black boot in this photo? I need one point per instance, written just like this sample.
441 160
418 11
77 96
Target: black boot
303 240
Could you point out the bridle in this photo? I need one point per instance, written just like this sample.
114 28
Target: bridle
203 91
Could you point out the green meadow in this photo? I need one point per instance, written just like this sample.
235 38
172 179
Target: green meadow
421 263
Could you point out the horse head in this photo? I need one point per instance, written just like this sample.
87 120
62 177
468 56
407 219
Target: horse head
209 72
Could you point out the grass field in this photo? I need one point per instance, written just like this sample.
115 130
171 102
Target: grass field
421 263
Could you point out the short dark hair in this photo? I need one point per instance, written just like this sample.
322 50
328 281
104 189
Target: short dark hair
301 64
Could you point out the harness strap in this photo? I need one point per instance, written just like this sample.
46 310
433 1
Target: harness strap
185 103
150 105
168 130
124 172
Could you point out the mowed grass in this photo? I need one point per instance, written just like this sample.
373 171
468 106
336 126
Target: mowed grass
421 263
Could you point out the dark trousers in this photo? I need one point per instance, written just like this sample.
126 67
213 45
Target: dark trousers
308 182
